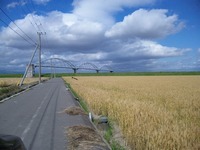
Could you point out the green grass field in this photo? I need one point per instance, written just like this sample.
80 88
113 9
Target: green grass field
108 74
130 74
11 75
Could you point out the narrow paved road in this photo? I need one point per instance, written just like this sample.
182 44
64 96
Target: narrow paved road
36 116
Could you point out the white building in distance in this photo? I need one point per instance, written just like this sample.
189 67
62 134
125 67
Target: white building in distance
31 71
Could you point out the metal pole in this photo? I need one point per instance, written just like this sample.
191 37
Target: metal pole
39 34
25 73
54 72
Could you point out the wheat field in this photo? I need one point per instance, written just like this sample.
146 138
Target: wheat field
16 81
153 112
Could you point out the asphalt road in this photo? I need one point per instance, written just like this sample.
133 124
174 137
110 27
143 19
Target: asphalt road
36 116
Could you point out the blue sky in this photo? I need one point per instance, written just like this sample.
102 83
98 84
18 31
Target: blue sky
128 35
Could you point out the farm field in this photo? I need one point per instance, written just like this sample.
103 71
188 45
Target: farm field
16 81
153 112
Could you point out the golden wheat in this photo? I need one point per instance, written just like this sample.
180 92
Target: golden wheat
16 81
161 112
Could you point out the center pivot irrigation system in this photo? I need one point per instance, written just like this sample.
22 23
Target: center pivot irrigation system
60 63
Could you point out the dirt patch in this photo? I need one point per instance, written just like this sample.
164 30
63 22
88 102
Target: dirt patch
74 111
84 138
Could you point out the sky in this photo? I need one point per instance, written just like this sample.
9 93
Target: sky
126 35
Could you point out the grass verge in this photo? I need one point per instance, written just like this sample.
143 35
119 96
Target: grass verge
9 91
81 101
109 137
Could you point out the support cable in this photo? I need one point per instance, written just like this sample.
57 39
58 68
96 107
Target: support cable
25 73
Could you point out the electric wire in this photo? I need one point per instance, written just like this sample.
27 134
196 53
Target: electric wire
32 17
25 12
34 9
40 26
17 33
17 25
32 6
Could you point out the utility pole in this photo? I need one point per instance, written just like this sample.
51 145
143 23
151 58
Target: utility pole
39 53
38 46
51 69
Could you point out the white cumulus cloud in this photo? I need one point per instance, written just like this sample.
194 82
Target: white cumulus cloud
15 4
41 1
102 10
144 49
146 24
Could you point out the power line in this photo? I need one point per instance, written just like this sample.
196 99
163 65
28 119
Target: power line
40 26
33 6
17 32
25 12
32 17
34 9
17 25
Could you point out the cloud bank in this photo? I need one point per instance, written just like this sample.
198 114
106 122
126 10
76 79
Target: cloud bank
91 33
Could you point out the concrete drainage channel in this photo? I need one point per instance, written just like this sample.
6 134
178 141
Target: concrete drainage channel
85 137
